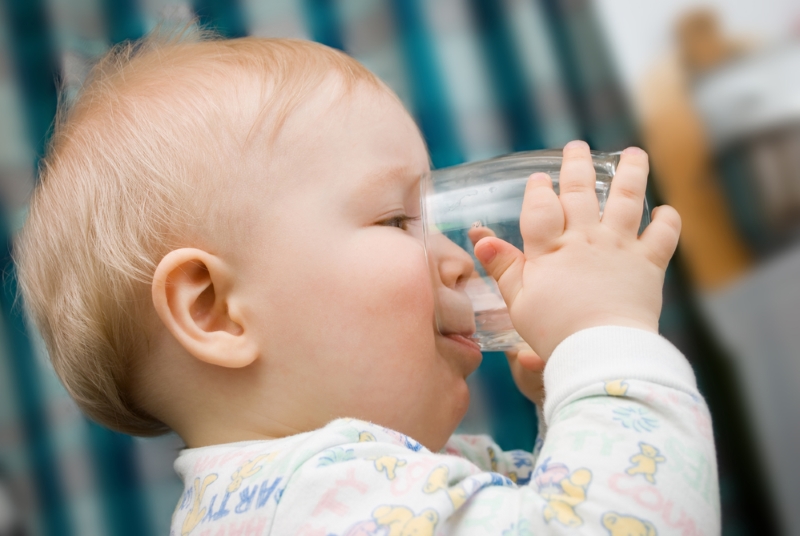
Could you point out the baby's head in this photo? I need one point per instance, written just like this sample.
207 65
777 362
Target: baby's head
226 242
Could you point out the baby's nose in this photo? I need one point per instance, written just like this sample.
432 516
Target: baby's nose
455 265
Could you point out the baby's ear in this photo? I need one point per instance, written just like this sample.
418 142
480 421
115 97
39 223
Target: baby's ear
193 296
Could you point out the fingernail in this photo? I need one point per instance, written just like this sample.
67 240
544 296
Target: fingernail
633 151
540 176
576 144
487 254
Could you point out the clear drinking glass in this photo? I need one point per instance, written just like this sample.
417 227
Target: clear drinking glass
489 194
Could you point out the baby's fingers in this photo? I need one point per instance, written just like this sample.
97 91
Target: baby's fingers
577 185
623 209
661 236
504 263
542 218
527 368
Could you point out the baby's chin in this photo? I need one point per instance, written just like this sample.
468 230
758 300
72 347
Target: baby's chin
458 398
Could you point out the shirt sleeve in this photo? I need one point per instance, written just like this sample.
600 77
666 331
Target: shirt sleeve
629 437
629 450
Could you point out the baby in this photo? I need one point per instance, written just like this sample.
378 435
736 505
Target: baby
225 242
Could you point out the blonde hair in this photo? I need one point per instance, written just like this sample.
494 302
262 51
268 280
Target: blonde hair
123 183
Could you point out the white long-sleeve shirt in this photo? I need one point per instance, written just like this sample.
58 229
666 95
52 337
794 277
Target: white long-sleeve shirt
628 450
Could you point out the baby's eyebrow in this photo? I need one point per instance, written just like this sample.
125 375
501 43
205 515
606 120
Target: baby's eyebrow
379 181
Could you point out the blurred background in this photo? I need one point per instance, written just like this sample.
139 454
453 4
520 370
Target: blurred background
710 89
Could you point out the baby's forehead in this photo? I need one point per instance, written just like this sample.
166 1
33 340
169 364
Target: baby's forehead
353 124
296 155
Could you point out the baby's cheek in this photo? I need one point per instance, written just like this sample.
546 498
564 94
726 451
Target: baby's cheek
402 288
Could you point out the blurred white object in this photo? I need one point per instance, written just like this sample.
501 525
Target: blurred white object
751 111
752 95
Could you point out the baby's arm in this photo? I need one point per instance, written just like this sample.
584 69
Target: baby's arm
608 388
629 444
623 410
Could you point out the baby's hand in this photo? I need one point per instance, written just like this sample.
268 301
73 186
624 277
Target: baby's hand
578 271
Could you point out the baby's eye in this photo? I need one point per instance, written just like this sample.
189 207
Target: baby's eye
401 222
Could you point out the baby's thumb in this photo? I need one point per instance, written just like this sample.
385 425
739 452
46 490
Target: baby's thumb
504 263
